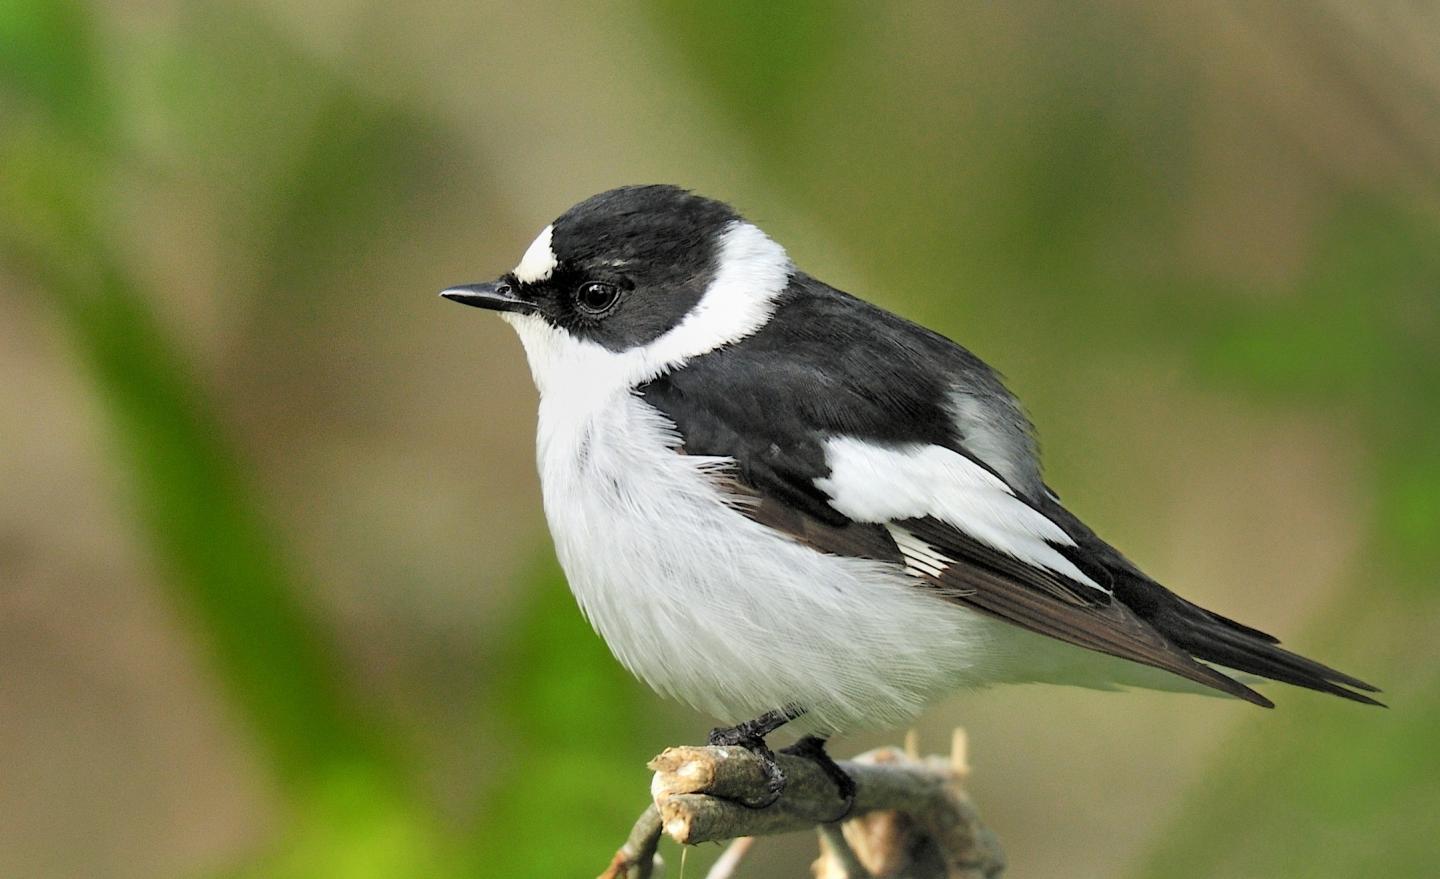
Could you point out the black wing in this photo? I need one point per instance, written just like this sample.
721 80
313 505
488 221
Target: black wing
770 401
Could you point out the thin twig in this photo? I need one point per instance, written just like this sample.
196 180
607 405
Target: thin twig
834 844
729 860
636 859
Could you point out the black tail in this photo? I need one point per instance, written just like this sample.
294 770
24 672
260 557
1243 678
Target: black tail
1206 636
1215 639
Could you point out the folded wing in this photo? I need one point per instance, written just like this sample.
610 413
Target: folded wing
929 464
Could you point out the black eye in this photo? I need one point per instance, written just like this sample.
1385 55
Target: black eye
596 297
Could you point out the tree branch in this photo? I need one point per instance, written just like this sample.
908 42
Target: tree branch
910 819
636 859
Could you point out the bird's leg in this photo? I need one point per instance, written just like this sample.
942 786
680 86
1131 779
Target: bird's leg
750 735
813 748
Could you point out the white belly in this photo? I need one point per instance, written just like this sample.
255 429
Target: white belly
711 608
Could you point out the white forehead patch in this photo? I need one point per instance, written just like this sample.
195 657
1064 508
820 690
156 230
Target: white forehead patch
539 260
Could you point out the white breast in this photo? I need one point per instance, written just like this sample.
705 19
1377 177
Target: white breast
713 609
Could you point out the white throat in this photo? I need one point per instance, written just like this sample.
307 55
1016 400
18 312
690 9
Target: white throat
752 271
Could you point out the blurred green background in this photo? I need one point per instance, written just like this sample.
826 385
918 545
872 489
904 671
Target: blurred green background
276 597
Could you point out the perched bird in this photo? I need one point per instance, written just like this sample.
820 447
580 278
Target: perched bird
780 503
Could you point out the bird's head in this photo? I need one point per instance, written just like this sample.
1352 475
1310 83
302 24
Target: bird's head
632 282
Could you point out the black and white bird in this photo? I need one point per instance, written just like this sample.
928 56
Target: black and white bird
780 503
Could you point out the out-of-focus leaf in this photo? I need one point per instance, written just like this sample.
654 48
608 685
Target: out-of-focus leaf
1321 789
49 63
195 508
571 717
760 58
1361 333
355 826
191 497
1346 790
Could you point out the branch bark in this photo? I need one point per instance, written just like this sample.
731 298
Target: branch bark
911 818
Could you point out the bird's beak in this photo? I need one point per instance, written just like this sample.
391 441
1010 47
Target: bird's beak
494 295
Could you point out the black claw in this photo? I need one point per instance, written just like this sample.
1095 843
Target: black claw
750 735
813 748
774 775
724 736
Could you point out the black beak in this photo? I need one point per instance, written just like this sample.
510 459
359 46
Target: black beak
496 296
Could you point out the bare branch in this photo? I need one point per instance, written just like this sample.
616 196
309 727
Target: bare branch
910 818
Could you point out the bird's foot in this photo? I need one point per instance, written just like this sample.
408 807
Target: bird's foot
750 735
813 748
774 775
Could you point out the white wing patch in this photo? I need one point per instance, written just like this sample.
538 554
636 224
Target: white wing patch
539 261
879 484
920 557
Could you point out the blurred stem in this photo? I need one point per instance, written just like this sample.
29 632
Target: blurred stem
225 564
197 512
192 499
348 813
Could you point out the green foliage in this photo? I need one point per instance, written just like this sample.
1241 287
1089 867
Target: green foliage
49 63
570 717
189 493
352 811
763 58
1360 336
191 498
